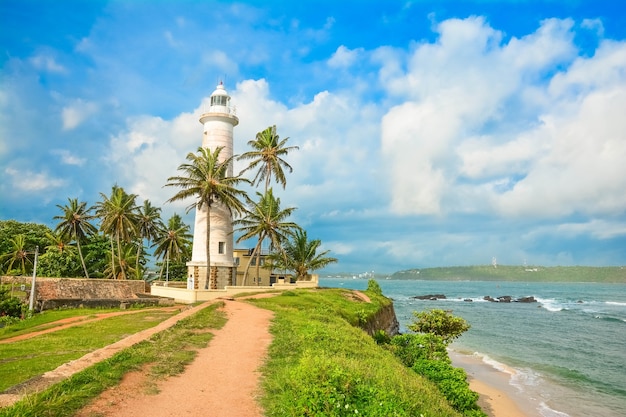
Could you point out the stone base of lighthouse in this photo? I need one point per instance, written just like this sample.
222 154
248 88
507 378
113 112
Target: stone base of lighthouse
222 275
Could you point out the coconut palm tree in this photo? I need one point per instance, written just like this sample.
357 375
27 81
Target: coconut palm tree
60 243
118 218
124 267
206 179
300 256
268 155
265 220
76 224
17 255
148 225
173 241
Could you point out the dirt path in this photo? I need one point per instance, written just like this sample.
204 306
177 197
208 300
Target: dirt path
222 381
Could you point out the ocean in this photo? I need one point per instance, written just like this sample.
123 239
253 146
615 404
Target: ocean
566 353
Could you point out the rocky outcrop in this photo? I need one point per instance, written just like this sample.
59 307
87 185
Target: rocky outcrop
385 319
430 297
509 299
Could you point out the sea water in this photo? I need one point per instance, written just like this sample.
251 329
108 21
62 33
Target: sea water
567 351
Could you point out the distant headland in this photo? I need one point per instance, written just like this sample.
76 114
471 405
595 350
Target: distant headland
523 273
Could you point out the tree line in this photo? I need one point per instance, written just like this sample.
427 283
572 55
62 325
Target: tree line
112 238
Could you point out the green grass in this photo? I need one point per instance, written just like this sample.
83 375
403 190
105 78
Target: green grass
320 364
168 353
45 319
20 361
609 274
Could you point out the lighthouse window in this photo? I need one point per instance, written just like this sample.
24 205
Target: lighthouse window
220 247
219 101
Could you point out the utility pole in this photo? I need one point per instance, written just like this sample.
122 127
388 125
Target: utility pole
32 285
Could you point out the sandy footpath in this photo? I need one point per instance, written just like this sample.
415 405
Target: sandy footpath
222 381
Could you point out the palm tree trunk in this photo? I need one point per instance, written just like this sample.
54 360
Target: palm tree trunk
258 267
252 255
119 256
139 247
80 253
112 257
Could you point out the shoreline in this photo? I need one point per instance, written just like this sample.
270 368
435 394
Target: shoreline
497 397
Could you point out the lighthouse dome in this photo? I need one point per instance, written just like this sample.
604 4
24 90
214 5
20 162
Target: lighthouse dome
220 97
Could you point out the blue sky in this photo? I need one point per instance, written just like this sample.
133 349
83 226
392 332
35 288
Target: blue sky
431 133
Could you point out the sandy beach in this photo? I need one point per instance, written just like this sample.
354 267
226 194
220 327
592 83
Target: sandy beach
498 398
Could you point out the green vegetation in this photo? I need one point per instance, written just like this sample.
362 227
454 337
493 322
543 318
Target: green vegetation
168 353
425 353
299 255
11 307
439 323
45 320
320 364
110 239
320 361
25 359
608 274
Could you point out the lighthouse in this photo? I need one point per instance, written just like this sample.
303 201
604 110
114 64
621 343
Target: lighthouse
218 123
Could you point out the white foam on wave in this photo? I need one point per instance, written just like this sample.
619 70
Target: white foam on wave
550 304
616 303
549 412
495 364
525 378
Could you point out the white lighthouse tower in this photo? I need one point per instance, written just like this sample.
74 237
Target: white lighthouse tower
218 122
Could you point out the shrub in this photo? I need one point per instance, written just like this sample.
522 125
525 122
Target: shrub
452 383
439 322
410 348
381 337
9 306
372 286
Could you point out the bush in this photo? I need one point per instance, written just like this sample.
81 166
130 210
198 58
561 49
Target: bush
10 306
410 348
453 385
439 322
372 286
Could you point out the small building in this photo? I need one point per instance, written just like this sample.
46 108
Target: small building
265 277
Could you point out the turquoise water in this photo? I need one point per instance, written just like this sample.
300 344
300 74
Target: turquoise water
568 350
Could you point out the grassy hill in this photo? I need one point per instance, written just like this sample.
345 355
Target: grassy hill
609 274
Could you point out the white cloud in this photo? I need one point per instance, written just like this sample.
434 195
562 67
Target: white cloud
481 127
344 57
220 60
47 63
76 112
584 170
593 24
68 158
29 181
597 228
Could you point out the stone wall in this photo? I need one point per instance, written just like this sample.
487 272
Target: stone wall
78 288
88 288
77 292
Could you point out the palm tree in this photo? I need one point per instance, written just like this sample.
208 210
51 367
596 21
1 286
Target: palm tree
124 266
173 241
268 155
60 243
118 216
265 219
206 179
300 256
17 255
148 224
75 223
